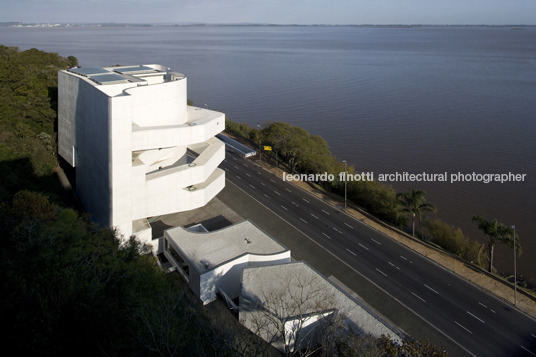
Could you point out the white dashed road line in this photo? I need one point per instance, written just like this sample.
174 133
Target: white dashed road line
328 237
314 216
272 181
303 220
325 212
348 225
381 272
285 208
253 187
418 297
355 255
465 328
277 193
431 289
375 241
305 200
523 347
362 246
479 319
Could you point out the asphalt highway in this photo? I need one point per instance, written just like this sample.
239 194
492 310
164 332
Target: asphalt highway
480 323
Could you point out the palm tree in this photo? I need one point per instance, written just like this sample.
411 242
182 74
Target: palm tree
414 202
496 232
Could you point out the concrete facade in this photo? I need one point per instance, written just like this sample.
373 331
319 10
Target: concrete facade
138 149
213 261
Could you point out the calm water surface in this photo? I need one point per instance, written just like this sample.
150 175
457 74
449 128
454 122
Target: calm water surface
433 99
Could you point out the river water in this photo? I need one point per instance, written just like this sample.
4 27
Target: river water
386 99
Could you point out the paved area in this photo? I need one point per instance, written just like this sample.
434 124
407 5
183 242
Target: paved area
215 215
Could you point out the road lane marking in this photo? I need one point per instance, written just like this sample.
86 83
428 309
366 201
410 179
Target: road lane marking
259 173
303 220
403 257
277 193
391 264
325 212
253 187
288 189
375 241
482 304
479 319
272 181
336 230
314 216
533 335
362 246
418 297
523 347
348 225
295 204
265 195
262 183
465 328
356 271
285 208
245 165
238 177
355 255
305 200
226 169
234 158
381 272
326 235
492 311
248 175
431 289
236 167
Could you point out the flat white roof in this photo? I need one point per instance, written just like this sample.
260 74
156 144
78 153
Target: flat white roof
113 80
280 286
223 245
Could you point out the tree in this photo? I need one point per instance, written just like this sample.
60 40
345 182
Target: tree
497 233
294 312
414 202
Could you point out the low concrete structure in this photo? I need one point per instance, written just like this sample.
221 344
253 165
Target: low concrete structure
292 300
213 261
236 146
138 149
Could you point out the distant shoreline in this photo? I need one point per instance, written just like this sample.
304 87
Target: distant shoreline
113 24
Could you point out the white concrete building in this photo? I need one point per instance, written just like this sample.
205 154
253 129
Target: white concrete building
284 302
139 150
212 262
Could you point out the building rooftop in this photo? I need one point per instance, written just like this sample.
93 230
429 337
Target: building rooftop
112 80
208 250
295 288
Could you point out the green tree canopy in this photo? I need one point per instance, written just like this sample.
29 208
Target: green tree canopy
496 233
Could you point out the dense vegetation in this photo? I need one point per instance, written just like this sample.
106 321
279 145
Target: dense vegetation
307 154
28 106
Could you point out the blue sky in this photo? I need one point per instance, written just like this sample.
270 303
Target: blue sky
493 12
